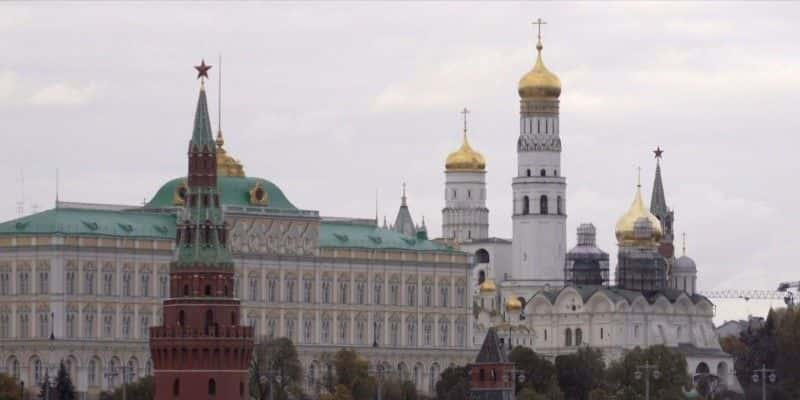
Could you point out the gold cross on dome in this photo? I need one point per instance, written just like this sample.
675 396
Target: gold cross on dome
539 22
465 112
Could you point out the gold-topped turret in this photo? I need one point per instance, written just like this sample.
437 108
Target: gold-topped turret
626 226
488 286
465 158
513 304
539 83
227 165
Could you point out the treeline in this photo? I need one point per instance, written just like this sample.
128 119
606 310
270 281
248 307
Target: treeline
584 376
775 345
276 371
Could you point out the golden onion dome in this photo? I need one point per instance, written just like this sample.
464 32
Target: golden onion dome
488 286
465 158
227 165
626 226
513 304
539 83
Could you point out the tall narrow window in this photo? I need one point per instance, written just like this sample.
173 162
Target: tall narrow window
542 172
526 205
568 337
212 387
543 204
578 337
176 387
559 210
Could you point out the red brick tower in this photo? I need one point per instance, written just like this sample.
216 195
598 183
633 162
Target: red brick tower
492 375
201 352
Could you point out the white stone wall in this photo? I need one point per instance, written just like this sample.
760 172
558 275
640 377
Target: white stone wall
465 216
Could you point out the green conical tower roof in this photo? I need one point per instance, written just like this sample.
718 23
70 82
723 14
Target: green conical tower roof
202 233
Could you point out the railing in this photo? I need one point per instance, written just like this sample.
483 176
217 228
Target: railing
227 331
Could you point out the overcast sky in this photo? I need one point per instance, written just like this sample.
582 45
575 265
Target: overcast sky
333 102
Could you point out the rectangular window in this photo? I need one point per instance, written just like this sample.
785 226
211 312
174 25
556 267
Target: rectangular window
290 291
4 283
144 285
108 283
412 295
70 325
361 294
126 326
428 295
44 282
89 282
444 296
308 291
144 327
24 326
163 286
394 294
108 326
88 326
126 284
24 284
378 294
272 289
461 296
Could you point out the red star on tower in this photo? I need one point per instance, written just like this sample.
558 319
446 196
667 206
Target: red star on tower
658 152
202 70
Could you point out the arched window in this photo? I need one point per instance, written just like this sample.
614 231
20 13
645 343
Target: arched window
545 335
542 172
526 205
469 234
212 387
185 290
176 387
482 374
482 256
481 276
233 318
226 290
559 210
555 172
702 368
181 318
543 205
568 337
208 290
528 172
578 336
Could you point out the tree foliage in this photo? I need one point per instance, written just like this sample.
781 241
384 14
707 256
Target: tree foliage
580 372
276 361
539 372
142 389
776 345
454 384
670 364
10 389
352 372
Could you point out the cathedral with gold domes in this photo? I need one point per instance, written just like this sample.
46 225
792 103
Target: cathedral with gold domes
537 293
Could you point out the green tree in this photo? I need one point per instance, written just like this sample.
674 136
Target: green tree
46 388
671 366
538 371
276 361
142 389
352 371
788 355
581 372
64 389
10 389
454 384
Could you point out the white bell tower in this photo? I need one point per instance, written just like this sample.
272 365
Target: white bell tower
539 217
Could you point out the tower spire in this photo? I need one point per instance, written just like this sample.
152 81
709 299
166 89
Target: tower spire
684 243
403 196
658 201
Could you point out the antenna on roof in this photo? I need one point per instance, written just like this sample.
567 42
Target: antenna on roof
57 188
21 202
376 206
219 96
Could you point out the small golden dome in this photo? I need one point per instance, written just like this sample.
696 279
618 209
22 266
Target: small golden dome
626 226
465 159
539 83
227 165
513 304
488 286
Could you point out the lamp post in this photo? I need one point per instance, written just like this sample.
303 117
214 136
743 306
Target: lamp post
270 377
123 370
647 368
761 374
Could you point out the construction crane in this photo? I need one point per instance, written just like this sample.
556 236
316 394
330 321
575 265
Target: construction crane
782 293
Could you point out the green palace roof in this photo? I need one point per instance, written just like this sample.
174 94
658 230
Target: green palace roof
94 223
352 235
139 224
234 191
